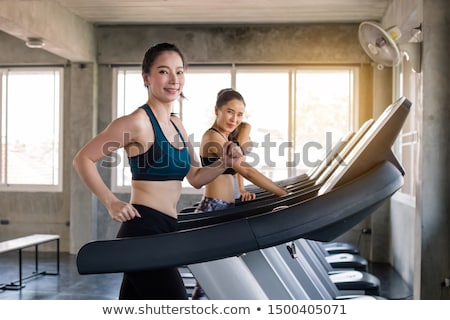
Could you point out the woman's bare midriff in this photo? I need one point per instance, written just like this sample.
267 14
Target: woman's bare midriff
159 195
221 188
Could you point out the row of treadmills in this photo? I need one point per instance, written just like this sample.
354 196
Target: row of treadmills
279 247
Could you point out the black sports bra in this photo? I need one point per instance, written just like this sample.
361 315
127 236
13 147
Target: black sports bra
206 161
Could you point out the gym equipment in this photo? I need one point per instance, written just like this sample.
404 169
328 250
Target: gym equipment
371 175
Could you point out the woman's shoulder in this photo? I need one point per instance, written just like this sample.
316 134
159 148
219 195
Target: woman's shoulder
136 117
211 144
245 126
132 123
212 135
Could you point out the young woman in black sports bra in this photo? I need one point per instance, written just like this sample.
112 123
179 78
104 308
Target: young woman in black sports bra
219 193
160 156
229 109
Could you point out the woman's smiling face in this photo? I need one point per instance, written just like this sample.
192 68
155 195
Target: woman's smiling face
166 77
230 115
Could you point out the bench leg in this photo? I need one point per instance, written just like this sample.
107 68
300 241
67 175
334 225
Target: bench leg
57 256
14 285
57 262
20 269
36 259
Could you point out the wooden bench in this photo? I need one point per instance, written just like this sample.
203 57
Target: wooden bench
19 244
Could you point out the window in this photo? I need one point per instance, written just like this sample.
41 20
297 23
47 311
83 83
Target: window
323 111
130 94
406 145
296 114
266 93
202 86
31 145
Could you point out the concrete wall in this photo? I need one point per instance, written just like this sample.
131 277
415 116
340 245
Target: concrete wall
26 212
433 201
419 238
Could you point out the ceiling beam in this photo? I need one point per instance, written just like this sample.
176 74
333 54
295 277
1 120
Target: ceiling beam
65 34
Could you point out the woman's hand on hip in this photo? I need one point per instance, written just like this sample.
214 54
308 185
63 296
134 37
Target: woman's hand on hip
121 211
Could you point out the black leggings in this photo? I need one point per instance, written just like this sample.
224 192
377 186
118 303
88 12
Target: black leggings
158 284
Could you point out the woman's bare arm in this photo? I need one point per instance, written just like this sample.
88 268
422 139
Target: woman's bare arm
258 179
109 140
199 176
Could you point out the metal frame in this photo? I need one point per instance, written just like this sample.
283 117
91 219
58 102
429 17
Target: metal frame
18 284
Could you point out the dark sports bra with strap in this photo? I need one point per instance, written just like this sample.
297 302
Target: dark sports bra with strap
162 161
206 161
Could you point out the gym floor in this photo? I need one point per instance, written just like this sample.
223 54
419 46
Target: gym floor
69 285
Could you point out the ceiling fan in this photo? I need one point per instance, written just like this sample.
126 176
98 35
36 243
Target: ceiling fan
383 46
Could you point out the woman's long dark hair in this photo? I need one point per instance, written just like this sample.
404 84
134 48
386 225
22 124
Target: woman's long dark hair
223 97
154 52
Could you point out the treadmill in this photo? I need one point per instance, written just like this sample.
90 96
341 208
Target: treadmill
371 175
303 186
302 190
274 273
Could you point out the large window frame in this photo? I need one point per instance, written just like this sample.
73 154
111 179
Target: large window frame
233 71
405 83
40 127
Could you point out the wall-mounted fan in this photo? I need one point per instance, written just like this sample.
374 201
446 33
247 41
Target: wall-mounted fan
383 48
